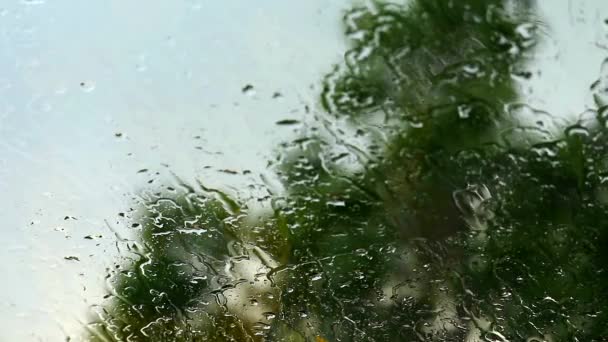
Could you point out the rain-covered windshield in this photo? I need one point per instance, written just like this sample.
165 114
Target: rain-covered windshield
422 170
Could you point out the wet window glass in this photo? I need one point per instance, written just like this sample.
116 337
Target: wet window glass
411 170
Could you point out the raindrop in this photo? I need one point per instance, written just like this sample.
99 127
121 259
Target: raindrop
577 131
599 88
336 204
269 315
316 277
603 116
464 111
471 69
526 30
248 90
287 122
87 86
473 203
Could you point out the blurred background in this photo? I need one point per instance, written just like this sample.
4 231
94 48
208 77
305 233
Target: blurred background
101 99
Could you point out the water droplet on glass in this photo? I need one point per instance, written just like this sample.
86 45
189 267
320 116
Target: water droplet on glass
87 86
336 203
577 131
287 122
269 315
464 111
316 277
599 88
248 90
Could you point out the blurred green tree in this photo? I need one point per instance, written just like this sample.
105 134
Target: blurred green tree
423 201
